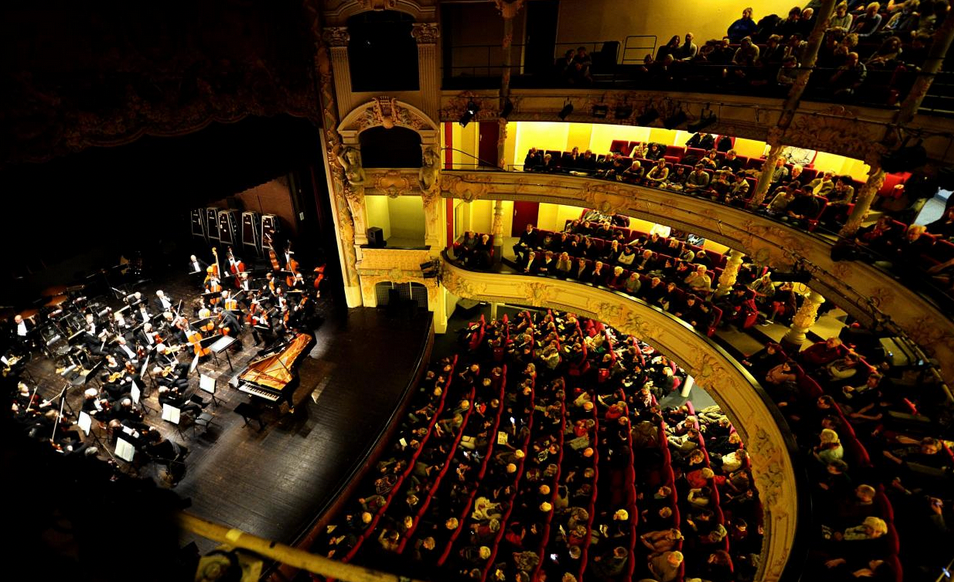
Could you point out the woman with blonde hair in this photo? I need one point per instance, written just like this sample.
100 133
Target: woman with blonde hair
829 448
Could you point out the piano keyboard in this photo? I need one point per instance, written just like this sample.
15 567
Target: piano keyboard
256 391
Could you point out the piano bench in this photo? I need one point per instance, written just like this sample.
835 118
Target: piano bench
249 413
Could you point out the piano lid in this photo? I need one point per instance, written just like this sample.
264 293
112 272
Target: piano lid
275 371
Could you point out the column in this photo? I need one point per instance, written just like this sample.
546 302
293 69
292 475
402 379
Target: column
337 38
863 201
426 35
804 319
765 176
440 309
434 231
498 232
359 212
508 9
493 310
730 273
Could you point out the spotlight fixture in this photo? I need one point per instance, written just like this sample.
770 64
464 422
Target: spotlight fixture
600 111
566 111
675 120
648 116
704 121
469 113
624 111
507 109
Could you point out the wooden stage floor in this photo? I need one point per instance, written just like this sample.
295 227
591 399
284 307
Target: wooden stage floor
274 483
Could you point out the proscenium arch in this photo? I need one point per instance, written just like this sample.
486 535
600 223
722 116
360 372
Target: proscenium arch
862 290
729 384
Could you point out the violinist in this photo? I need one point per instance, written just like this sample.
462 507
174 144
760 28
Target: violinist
147 338
123 351
167 359
144 314
163 303
243 282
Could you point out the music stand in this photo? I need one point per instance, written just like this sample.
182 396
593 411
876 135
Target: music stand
124 450
221 343
85 422
207 384
172 414
94 369
194 364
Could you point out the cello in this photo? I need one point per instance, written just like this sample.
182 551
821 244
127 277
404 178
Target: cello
195 338
294 276
272 256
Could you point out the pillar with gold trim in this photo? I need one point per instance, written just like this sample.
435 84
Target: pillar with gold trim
804 319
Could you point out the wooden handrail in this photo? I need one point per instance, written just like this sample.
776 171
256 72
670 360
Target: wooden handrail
286 554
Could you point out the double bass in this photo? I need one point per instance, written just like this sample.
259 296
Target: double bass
272 256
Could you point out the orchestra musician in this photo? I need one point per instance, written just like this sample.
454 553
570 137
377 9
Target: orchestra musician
162 302
22 332
197 271
144 314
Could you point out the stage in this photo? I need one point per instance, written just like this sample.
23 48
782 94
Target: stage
276 482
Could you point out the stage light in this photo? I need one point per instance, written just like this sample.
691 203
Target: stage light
469 113
507 109
624 111
566 111
675 120
600 111
648 116
703 122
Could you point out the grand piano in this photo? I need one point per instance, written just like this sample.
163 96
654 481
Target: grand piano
272 376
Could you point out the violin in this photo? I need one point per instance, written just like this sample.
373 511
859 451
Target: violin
319 275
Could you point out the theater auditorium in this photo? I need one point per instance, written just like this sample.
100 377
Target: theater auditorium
503 290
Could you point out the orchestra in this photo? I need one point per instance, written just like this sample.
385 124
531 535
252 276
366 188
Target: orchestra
137 342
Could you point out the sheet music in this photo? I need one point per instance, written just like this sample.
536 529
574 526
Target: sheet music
85 422
207 383
135 392
125 451
195 364
222 343
170 414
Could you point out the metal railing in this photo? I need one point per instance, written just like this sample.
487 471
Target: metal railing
638 43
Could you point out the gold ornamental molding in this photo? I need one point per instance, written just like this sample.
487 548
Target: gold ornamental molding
848 131
394 266
387 112
714 370
392 182
862 290
338 11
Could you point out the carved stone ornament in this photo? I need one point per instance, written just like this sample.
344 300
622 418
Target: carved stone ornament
430 171
337 36
386 112
393 183
834 130
466 190
455 107
426 32
509 8
377 4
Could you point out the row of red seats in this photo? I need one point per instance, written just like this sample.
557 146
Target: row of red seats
854 450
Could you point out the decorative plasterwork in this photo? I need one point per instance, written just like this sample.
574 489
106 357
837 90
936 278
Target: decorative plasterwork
392 182
387 112
338 11
711 368
337 36
453 107
426 32
856 287
394 266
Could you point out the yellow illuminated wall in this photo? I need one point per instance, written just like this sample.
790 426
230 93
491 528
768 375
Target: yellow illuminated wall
598 137
586 21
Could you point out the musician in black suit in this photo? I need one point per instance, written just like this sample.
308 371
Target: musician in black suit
263 330
525 244
163 302
21 333
167 359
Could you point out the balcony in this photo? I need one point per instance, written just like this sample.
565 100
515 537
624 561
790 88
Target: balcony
864 291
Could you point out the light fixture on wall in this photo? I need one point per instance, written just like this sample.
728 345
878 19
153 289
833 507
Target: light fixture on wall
600 110
469 113
566 111
507 109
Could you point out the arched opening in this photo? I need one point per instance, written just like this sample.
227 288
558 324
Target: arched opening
398 147
389 294
382 53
